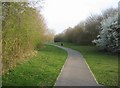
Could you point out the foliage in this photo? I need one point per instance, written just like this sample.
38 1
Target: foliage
83 33
109 35
41 70
58 38
23 31
86 31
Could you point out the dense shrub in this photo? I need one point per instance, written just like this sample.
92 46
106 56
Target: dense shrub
58 38
109 35
23 30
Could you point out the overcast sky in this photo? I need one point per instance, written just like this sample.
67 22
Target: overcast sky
61 14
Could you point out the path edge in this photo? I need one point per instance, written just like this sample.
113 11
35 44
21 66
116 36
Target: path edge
63 64
66 61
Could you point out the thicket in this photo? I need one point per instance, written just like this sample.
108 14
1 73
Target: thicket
23 31
103 29
108 39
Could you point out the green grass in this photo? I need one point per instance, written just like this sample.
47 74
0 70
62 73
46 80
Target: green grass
103 65
41 70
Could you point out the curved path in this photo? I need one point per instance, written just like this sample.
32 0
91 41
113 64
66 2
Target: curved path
75 71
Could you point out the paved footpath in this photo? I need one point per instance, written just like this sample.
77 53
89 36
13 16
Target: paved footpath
75 71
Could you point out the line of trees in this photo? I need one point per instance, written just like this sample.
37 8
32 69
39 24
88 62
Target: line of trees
87 31
23 31
82 33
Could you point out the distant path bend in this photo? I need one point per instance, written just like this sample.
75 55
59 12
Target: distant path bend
75 71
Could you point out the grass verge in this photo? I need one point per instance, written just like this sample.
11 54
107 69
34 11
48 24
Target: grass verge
41 70
103 65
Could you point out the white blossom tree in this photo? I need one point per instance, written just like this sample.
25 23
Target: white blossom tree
109 35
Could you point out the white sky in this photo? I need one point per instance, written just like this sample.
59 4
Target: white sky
61 14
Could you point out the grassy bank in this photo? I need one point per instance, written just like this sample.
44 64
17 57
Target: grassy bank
41 70
103 65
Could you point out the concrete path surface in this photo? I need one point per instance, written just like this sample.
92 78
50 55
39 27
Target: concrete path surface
75 71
